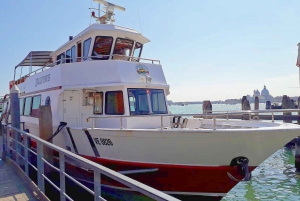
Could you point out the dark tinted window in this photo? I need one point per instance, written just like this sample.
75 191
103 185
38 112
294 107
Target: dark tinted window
60 58
27 106
68 56
114 103
36 102
86 48
73 53
102 47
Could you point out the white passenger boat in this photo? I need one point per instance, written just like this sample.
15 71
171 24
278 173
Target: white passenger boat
114 103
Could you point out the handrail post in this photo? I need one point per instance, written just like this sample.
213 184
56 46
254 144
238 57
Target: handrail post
62 178
93 122
214 122
40 166
272 117
161 122
121 119
97 184
249 116
26 147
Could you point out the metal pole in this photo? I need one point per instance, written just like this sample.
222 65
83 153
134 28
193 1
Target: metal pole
62 178
40 166
97 184
15 118
26 147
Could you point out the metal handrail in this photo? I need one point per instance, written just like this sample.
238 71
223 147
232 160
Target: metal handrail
97 168
197 115
83 59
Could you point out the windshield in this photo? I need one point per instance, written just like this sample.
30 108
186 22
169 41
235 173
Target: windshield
147 101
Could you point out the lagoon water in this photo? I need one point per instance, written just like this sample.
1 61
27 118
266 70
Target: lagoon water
274 179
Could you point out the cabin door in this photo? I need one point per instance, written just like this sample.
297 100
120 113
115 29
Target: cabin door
71 108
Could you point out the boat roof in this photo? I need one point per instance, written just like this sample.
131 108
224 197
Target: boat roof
108 29
36 58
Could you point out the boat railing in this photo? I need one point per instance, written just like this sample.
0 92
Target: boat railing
206 115
92 58
17 148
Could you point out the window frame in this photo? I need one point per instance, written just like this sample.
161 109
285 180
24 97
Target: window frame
68 60
98 113
137 59
137 102
27 115
126 57
73 57
105 107
36 116
85 58
22 109
105 57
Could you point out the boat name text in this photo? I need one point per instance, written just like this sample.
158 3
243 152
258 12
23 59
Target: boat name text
42 80
102 141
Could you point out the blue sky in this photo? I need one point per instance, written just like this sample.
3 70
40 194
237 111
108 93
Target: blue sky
209 49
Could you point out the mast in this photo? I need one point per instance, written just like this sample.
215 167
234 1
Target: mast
109 12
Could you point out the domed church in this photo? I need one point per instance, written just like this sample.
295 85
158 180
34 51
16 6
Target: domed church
264 95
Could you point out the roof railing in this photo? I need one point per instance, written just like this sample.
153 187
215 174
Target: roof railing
92 58
20 150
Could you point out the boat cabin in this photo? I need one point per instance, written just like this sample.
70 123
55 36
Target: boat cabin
94 79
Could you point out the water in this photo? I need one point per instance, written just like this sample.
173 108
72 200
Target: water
274 179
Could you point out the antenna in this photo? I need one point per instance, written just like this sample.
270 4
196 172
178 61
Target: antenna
109 12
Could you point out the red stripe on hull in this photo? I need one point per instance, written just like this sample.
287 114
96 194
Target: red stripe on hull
178 178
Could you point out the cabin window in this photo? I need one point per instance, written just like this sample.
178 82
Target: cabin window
146 101
98 103
60 58
89 98
158 101
21 106
27 106
114 103
36 102
123 48
68 56
102 47
73 53
78 52
137 51
86 48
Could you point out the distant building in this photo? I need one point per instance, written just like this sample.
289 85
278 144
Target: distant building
263 96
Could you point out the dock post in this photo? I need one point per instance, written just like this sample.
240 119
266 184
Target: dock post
286 104
46 131
246 106
298 121
297 154
256 103
207 107
15 119
243 99
292 104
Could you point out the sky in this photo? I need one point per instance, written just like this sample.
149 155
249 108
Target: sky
209 49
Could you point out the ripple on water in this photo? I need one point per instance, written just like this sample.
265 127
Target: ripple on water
272 180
